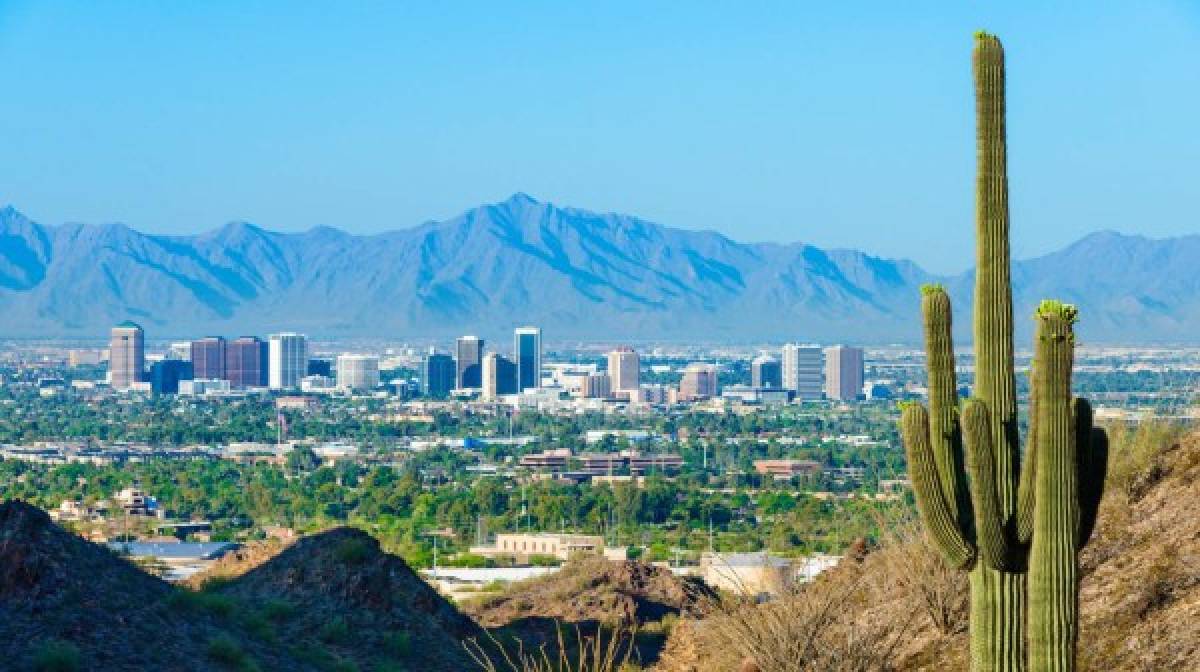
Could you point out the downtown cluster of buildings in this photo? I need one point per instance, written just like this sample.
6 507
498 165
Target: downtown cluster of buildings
214 364
283 362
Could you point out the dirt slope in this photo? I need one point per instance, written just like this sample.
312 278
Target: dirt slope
65 598
362 604
1139 601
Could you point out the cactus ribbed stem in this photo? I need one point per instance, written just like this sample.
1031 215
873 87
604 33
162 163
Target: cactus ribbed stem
1053 559
944 433
998 611
992 540
940 517
1010 526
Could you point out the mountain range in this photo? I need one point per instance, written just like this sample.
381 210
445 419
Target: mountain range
578 274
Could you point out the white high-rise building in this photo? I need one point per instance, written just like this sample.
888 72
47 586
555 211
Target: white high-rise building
287 360
803 366
624 371
126 355
843 372
357 372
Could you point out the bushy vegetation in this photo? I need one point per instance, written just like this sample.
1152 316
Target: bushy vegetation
56 655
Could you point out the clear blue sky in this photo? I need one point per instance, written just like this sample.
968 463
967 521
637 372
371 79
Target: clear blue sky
836 123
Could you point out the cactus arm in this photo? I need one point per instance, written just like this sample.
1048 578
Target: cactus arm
944 433
1053 581
991 540
1093 470
940 518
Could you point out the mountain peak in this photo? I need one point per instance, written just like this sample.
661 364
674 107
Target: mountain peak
520 198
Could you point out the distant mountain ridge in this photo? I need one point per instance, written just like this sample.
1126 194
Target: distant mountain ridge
576 273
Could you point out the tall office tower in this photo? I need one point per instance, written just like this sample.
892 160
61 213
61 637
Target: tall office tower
437 375
126 355
803 370
499 376
527 352
357 372
624 369
699 381
843 372
766 372
596 386
208 358
246 362
166 374
287 360
468 361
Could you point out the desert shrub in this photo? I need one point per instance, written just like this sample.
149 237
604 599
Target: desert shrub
398 644
912 566
806 630
278 610
56 655
259 626
225 651
353 551
1133 462
336 631
213 603
608 650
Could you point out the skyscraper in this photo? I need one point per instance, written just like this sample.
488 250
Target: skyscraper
208 358
699 381
126 355
527 353
766 372
803 367
166 374
287 357
437 375
246 362
624 371
468 361
499 376
843 372
357 372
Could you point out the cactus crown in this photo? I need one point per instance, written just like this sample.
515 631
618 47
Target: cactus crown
1051 308
932 288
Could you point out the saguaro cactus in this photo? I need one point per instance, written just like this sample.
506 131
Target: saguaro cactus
988 528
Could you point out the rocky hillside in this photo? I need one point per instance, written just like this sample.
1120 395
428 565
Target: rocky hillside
363 604
592 593
329 601
69 604
1140 597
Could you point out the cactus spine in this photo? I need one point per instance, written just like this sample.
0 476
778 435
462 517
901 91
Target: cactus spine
1009 521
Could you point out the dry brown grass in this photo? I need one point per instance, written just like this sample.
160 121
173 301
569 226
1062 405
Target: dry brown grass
608 650
824 630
